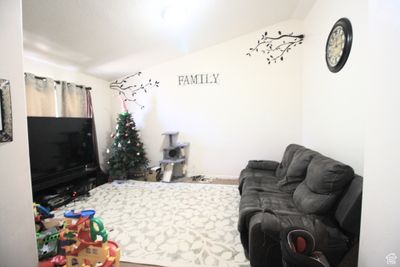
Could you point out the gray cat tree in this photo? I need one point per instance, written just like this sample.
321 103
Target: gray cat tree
174 160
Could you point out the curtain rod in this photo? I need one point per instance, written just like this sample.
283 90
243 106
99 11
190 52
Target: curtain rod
59 82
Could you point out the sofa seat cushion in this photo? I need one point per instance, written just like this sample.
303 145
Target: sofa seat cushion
324 183
276 202
253 201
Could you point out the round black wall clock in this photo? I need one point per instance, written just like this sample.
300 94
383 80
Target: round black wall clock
338 45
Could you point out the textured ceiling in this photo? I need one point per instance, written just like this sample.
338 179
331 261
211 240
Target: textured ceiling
109 39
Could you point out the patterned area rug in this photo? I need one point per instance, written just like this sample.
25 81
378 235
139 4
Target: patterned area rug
175 224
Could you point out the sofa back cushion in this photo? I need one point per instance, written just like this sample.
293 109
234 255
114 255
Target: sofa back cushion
297 169
287 158
324 183
326 175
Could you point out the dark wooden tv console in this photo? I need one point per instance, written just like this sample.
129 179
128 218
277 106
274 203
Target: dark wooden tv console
53 195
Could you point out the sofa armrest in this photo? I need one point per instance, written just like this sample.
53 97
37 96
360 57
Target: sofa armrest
269 165
253 166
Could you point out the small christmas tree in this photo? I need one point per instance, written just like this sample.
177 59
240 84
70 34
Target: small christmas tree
127 152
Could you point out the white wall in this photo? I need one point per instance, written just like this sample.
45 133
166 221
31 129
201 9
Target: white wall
101 97
380 214
334 103
254 113
17 243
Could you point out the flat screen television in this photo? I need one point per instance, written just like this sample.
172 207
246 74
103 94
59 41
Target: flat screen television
60 149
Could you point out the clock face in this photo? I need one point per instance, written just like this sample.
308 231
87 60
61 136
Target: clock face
335 46
338 45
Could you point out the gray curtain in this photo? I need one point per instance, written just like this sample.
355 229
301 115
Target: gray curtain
73 100
40 96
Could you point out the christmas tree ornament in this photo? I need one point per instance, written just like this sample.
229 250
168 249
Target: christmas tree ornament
119 144
108 151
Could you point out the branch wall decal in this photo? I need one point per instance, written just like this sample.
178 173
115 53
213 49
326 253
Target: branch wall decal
127 89
276 47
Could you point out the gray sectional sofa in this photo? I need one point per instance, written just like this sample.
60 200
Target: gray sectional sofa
306 190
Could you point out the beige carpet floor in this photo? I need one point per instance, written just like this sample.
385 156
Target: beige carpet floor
186 180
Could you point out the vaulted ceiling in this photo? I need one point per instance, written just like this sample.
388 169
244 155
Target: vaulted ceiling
109 39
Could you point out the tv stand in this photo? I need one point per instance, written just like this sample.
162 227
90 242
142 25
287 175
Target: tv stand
68 189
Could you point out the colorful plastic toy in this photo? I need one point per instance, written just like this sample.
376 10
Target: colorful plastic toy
55 261
76 215
47 242
86 250
41 214
41 211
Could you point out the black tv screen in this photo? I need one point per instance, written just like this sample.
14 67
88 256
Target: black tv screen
58 147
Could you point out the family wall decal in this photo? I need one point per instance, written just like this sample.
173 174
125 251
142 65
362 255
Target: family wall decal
195 79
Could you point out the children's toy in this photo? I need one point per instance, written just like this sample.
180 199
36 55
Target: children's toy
83 232
47 228
53 222
55 261
76 215
47 243
40 213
